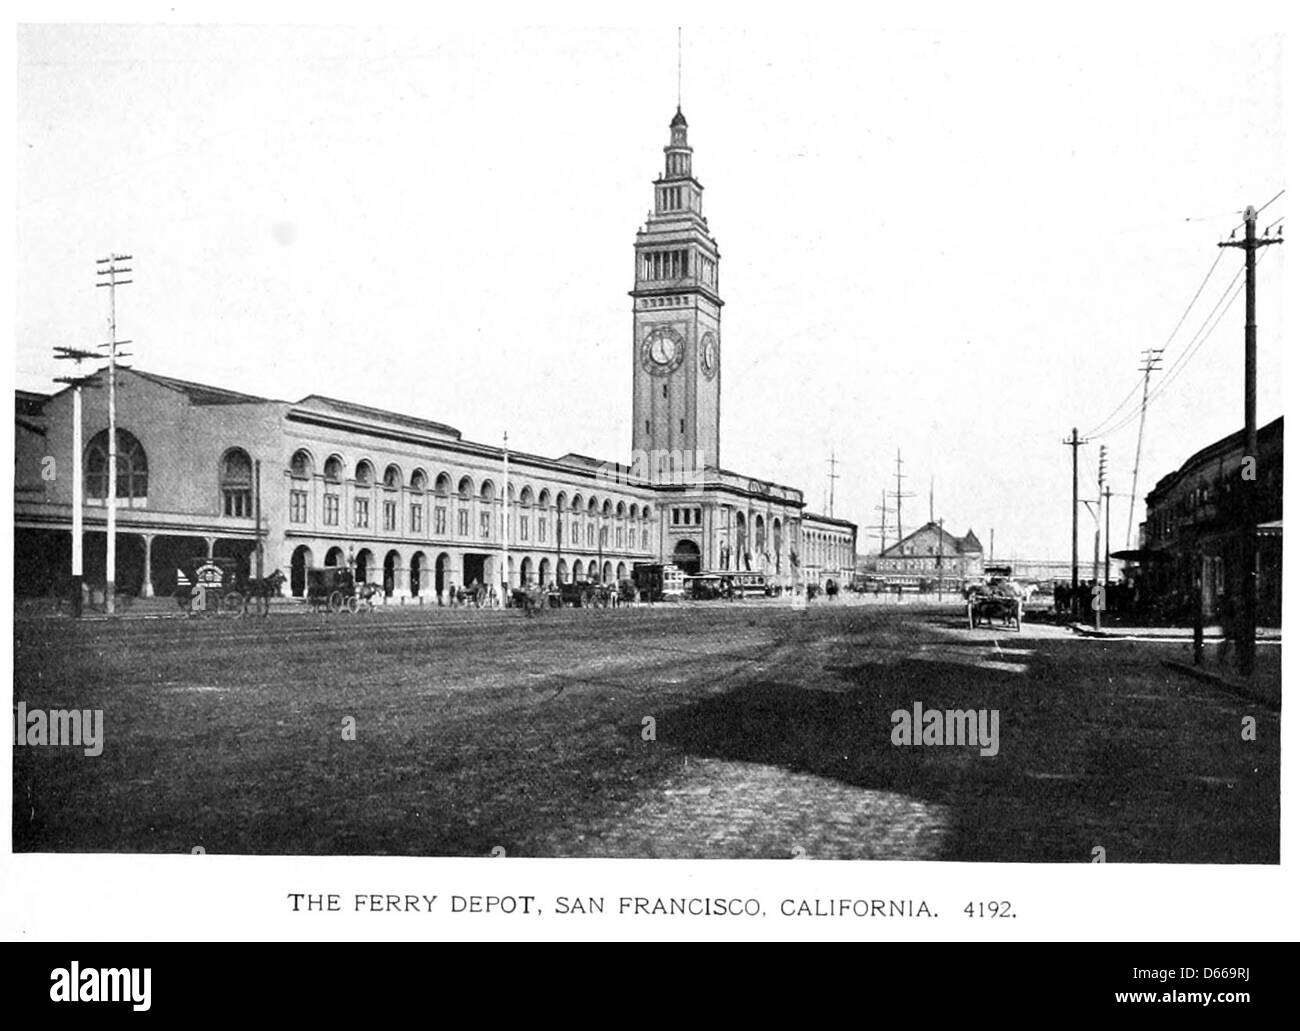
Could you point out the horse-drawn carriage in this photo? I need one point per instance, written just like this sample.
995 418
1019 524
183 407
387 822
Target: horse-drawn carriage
335 589
584 594
211 586
1001 600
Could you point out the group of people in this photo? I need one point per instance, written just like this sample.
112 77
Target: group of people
1117 596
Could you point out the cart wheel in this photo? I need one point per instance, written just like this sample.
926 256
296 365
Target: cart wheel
353 604
336 601
232 603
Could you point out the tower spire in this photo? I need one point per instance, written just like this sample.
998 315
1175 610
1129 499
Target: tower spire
679 69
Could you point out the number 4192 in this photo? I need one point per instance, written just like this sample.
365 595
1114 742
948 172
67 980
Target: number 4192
990 908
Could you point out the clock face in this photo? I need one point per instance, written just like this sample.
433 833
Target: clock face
709 355
661 351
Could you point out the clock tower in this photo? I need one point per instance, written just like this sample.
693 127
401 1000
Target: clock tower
676 313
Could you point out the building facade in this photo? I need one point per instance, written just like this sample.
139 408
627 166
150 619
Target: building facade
408 502
1192 542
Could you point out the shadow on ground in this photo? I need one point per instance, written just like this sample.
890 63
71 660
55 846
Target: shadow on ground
1071 773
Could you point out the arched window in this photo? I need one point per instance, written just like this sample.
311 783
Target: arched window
334 469
132 467
236 483
300 465
419 481
392 477
365 474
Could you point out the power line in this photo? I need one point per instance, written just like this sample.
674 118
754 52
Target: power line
1182 318
1270 201
1184 356
1193 347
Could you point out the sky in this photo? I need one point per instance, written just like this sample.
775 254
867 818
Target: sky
948 242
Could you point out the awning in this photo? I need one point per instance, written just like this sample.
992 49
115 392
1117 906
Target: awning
1140 555
1273 529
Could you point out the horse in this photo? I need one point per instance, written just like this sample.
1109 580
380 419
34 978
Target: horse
259 593
366 594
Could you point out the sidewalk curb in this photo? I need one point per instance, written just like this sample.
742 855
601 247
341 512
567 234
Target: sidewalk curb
1119 635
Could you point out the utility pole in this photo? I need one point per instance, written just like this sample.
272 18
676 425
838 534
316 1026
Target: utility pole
940 545
1151 359
257 517
113 268
505 518
1248 594
883 509
1107 496
899 494
832 477
931 498
78 475
1098 596
1074 443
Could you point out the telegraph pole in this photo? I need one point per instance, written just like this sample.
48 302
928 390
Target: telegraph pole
505 518
1107 496
78 475
883 509
833 476
940 548
1098 597
1249 588
257 520
113 267
1151 359
1073 442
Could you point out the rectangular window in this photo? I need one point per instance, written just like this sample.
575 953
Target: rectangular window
645 540
331 510
361 512
297 506
462 522
440 520
677 516
591 534
574 535
523 528
390 515
618 534
541 528
485 524
417 517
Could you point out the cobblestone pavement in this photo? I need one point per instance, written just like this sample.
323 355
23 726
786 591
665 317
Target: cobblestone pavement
678 731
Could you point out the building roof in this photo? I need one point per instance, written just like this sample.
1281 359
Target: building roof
201 393
320 401
832 520
679 119
1220 447
951 545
